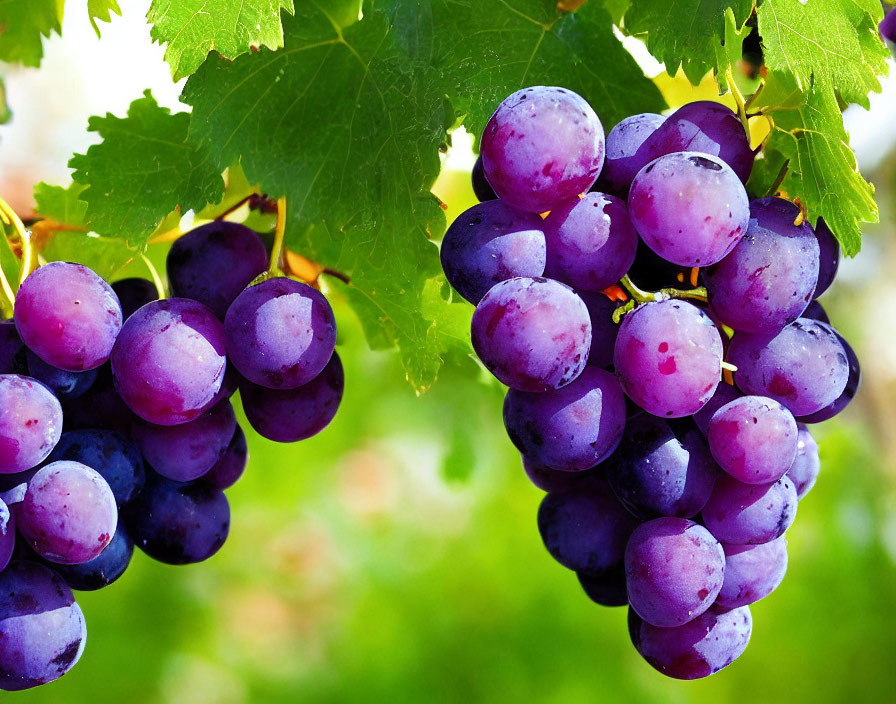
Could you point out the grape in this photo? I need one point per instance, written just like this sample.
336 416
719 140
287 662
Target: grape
829 257
214 263
586 530
100 407
280 333
169 360
752 572
668 356
69 513
543 145
662 468
291 415
176 523
133 294
689 208
767 280
65 385
750 513
42 629
804 366
591 242
603 330
533 334
697 649
754 439
7 534
568 429
30 423
68 316
114 456
11 348
888 28
804 470
724 393
102 570
853 382
232 464
606 589
187 451
556 481
674 569
481 186
623 144
489 243
13 486
814 311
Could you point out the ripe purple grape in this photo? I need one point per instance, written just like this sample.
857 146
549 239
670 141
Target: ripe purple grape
815 311
556 481
828 257
30 423
603 330
724 394
64 385
607 589
887 29
101 407
752 572
623 144
12 350
481 187
110 453
853 382
750 513
133 294
102 570
7 534
804 470
232 464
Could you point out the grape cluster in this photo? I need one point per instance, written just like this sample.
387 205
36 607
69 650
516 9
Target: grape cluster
670 483
116 427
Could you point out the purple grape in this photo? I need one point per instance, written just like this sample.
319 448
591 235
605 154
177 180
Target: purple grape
668 356
662 468
481 186
11 348
110 453
804 470
280 333
7 534
42 629
591 242
14 486
187 451
64 385
542 146
689 208
568 429
291 415
724 393
603 330
533 334
814 311
555 481
674 570
888 29
68 316
492 242
829 256
169 360
30 423
100 407
767 280
606 589
133 294
623 144
232 464
69 513
750 513
697 649
752 572
178 524
214 263
102 570
585 530
754 439
853 382
804 366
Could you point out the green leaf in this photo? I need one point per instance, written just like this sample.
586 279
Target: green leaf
142 170
23 25
730 50
5 112
61 204
101 10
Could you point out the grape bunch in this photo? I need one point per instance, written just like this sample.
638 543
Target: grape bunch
117 430
665 355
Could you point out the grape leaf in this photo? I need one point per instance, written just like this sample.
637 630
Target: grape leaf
142 170
23 25
730 49
63 205
101 10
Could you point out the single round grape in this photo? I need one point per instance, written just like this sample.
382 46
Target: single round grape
568 429
697 649
110 453
134 293
752 572
30 423
887 29
724 394
804 366
291 415
69 513
591 242
750 513
7 534
828 257
533 334
804 470
68 316
64 385
674 570
187 451
492 242
853 382
815 311
556 481
767 280
543 145
214 263
169 360
668 356
12 350
481 187
689 208
754 439
232 464
585 530
178 524
280 333
606 589
623 144
102 570
101 407
603 330
42 629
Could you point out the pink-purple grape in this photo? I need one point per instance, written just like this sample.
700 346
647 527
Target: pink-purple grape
752 572
557 481
64 385
68 316
102 570
169 360
30 423
668 356
134 293
887 29
804 470
603 330
606 589
569 429
7 534
543 145
481 187
112 454
591 242
624 142
533 334
853 382
724 394
492 242
828 257
228 470
674 570
750 513
689 208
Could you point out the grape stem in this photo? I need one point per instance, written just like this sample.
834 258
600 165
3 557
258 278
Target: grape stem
639 296
7 295
739 100
279 232
154 274
779 179
9 218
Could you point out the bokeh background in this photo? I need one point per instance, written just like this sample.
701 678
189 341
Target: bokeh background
395 557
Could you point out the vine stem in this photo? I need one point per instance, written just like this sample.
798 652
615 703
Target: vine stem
156 279
7 295
739 100
9 218
779 179
279 233
639 296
